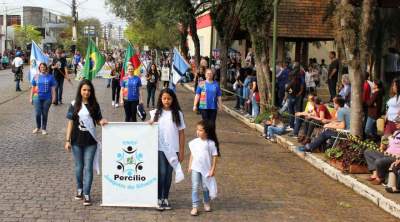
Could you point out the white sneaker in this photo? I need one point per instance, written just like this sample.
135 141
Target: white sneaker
207 207
113 103
116 105
37 130
44 132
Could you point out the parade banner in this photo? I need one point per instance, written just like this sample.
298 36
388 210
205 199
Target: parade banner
130 164
164 74
105 71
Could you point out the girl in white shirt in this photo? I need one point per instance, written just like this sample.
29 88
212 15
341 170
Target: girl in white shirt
171 143
203 159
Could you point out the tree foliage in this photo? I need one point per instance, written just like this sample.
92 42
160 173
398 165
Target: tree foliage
65 38
24 35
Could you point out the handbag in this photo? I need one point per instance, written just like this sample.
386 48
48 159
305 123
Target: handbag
141 113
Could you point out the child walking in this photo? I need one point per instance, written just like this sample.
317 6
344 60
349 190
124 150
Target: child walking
203 159
171 143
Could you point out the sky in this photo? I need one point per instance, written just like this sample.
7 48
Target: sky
86 8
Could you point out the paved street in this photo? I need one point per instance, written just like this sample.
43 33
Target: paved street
258 181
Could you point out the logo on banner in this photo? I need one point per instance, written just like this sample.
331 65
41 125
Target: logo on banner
129 163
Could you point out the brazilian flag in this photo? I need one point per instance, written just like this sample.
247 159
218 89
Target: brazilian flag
94 61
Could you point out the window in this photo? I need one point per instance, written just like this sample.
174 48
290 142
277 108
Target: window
13 20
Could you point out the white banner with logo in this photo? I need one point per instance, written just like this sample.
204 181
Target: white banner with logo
106 70
130 164
165 74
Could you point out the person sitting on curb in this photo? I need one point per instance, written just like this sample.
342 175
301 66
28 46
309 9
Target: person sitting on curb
300 116
342 123
380 162
321 115
273 126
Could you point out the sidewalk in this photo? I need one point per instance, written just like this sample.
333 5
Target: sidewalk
357 182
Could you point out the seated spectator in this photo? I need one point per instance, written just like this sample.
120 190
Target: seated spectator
306 114
393 111
374 104
379 162
342 122
321 115
273 126
345 90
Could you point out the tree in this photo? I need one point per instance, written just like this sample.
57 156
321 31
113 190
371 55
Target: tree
355 34
24 35
225 16
179 14
256 17
65 38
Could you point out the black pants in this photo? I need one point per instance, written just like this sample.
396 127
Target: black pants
130 110
332 87
115 90
151 94
209 114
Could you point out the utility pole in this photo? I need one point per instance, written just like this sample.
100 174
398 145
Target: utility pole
74 21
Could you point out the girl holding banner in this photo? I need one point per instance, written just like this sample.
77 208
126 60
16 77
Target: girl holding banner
83 115
171 143
43 93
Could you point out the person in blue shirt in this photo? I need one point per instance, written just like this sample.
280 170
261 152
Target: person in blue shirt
130 94
77 60
42 95
342 123
208 97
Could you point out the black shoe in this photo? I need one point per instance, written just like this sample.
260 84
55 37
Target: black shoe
166 205
87 201
160 205
108 86
79 195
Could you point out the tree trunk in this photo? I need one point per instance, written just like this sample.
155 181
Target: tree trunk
224 62
183 40
195 38
357 112
262 65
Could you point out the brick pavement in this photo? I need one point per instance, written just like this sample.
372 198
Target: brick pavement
258 181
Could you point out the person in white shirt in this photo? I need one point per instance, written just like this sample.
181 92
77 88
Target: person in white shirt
171 143
203 160
17 64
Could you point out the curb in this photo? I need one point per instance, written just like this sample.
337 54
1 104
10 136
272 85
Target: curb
376 197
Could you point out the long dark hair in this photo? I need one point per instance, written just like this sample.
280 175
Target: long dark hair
175 108
209 129
397 83
92 105
150 71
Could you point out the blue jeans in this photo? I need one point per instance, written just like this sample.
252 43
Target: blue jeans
196 182
17 85
164 176
239 97
271 131
254 107
291 110
83 157
322 138
151 91
370 127
59 89
41 111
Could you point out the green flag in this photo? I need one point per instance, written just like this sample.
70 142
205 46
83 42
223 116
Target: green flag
94 61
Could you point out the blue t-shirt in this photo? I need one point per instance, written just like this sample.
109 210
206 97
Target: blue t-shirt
343 114
209 93
42 85
77 59
131 88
